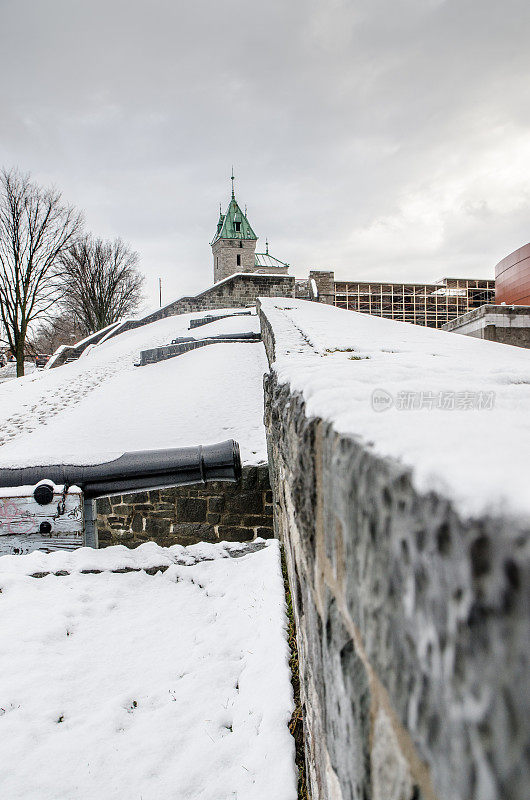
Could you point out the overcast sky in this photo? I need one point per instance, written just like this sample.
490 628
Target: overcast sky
384 139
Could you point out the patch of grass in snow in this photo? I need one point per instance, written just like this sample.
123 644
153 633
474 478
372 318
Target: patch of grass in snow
329 352
296 724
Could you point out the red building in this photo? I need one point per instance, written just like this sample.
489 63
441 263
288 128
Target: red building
512 278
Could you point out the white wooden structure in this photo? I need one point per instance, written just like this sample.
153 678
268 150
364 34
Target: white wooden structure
26 525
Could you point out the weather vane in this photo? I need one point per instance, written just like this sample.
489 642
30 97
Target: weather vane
232 179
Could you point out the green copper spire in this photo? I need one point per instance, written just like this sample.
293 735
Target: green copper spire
234 224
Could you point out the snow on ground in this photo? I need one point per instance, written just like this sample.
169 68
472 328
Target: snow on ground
119 557
100 406
9 372
337 359
136 686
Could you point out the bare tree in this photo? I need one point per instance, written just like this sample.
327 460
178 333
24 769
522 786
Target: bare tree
101 282
53 332
35 230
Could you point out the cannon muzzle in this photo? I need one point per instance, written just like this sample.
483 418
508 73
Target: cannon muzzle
136 471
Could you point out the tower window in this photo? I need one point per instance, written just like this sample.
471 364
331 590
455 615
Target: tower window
240 243
238 260
237 226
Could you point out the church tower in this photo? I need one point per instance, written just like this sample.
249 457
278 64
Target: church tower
234 244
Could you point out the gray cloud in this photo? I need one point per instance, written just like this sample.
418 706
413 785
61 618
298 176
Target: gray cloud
381 138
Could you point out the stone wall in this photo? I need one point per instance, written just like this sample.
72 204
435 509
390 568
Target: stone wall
302 289
518 337
71 352
198 323
325 282
234 292
156 354
225 255
218 511
503 324
412 622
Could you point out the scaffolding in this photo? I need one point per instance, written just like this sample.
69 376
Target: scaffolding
420 303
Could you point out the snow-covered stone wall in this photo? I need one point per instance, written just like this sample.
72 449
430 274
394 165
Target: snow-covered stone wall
406 535
241 289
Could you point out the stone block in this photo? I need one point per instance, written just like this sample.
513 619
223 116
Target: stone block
228 533
137 523
170 495
156 527
103 505
249 478
121 510
263 478
231 519
163 515
247 503
191 509
137 497
252 522
189 533
216 504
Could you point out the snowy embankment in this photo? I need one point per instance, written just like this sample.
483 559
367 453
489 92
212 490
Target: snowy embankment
100 406
9 372
453 408
172 685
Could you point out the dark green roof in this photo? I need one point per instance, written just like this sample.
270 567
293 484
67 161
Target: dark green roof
228 224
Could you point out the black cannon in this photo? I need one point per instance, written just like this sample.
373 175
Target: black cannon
134 472
246 336
131 472
196 323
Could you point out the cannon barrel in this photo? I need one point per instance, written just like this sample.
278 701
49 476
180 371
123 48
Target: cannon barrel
133 472
246 336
